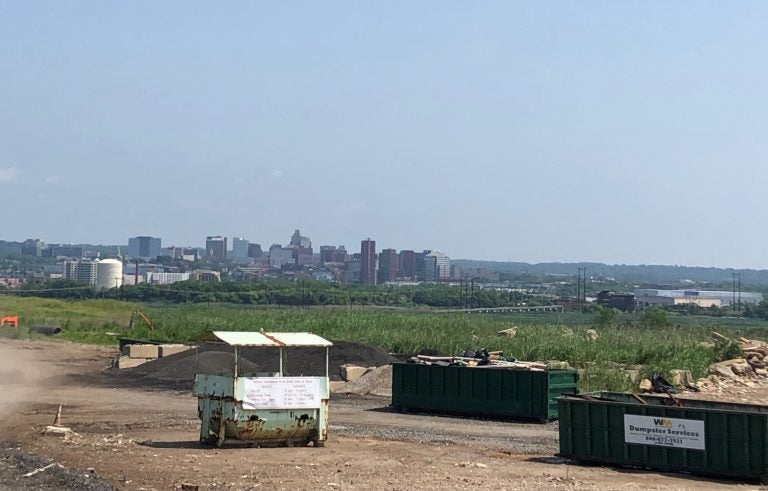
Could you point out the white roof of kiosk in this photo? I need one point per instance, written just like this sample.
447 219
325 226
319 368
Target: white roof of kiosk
272 339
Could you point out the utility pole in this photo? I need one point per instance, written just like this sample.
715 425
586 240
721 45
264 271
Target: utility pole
473 293
578 286
739 290
733 301
584 289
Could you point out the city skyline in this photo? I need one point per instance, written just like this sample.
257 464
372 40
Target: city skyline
264 245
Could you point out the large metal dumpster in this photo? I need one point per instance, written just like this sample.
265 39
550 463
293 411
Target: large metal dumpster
264 408
499 392
701 437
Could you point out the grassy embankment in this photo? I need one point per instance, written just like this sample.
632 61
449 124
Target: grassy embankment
539 337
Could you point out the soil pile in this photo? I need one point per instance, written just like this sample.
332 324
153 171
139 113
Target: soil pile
212 362
376 382
178 371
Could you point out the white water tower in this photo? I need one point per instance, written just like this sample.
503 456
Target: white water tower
109 274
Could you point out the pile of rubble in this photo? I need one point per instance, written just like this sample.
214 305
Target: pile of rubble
375 381
745 371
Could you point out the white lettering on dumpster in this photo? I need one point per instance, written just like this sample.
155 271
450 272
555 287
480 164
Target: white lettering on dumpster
281 392
664 432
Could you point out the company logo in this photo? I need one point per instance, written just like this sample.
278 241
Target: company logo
665 422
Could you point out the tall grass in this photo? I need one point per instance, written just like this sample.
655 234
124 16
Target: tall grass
538 338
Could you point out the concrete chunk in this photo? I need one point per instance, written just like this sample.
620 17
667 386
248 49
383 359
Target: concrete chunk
172 349
129 362
681 377
143 351
646 385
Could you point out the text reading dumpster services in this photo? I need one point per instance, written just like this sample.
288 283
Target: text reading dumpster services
664 432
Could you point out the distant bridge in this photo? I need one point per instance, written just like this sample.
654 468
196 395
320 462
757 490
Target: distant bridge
508 310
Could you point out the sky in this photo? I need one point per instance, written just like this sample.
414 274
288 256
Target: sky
619 132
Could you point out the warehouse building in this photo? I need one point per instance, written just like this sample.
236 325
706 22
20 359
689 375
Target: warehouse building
703 298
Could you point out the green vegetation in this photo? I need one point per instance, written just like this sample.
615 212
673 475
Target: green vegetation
606 316
627 341
654 318
284 292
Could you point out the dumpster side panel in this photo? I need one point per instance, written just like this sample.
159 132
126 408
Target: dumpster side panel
560 382
478 391
279 424
215 386
736 442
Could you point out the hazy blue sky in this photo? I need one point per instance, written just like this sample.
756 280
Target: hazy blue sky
622 132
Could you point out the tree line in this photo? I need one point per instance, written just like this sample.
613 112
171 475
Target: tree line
283 292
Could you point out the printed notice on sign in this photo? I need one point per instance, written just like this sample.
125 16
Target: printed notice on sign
282 392
664 432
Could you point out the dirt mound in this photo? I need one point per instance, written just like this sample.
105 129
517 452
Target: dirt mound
178 370
212 362
377 382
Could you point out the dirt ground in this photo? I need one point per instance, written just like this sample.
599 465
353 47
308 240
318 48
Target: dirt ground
132 438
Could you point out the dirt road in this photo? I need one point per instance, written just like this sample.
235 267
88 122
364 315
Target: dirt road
131 438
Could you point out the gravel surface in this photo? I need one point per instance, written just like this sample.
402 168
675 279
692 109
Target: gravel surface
358 416
15 463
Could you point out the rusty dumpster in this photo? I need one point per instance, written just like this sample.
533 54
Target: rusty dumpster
267 408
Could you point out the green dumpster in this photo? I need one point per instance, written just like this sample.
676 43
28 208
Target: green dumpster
492 391
658 432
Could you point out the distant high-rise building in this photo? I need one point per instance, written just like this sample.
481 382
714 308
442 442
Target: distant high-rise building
430 267
299 240
71 269
32 247
254 251
437 266
59 250
333 254
406 265
216 247
240 248
144 247
184 253
352 271
190 253
387 265
368 262
81 270
339 255
326 253
420 257
280 256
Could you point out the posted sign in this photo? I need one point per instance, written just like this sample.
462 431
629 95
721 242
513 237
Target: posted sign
664 432
282 392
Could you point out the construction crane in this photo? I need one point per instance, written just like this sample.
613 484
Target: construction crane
142 316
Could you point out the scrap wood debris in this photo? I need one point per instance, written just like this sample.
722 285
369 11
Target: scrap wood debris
479 359
43 469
